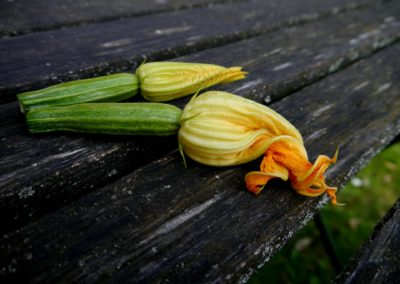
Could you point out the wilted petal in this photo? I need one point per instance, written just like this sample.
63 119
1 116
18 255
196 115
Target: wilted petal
306 178
256 180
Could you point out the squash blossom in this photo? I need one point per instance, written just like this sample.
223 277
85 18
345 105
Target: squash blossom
221 129
165 81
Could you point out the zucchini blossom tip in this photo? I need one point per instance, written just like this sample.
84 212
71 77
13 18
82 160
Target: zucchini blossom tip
165 81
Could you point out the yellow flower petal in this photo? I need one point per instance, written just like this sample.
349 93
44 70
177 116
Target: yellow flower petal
164 81
221 129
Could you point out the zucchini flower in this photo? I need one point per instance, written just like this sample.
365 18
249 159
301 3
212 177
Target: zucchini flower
165 81
221 129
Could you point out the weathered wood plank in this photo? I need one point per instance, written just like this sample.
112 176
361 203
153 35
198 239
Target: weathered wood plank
378 261
18 17
40 173
166 223
37 60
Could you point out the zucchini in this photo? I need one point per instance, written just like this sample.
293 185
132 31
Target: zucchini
110 88
107 118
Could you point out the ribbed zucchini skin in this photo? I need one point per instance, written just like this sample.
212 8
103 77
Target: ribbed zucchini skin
110 88
107 118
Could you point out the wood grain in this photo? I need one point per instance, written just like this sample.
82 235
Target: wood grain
378 260
164 223
18 17
39 173
40 59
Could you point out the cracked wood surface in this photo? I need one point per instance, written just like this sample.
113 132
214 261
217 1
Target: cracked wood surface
36 173
157 224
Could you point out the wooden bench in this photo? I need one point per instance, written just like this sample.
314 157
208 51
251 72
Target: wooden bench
125 209
378 260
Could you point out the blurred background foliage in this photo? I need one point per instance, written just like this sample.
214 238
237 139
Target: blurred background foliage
368 197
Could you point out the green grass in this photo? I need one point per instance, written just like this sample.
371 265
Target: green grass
368 197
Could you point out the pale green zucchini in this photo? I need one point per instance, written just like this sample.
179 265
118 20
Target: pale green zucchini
110 88
107 118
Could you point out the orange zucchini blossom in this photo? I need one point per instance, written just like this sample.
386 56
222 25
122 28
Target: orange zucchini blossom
222 129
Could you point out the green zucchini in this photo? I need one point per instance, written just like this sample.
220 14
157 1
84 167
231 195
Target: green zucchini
110 88
107 118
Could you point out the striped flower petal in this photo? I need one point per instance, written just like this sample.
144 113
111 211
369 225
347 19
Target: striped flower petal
165 81
221 129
